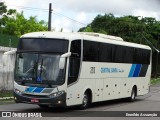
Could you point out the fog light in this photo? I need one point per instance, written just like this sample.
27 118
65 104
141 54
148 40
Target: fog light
59 102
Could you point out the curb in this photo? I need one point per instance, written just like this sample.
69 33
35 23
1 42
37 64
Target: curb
5 98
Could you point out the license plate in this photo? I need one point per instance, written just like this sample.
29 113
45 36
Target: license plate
33 100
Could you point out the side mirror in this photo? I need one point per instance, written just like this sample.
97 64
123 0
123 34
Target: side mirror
62 60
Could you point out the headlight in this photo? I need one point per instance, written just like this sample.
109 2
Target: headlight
56 94
18 91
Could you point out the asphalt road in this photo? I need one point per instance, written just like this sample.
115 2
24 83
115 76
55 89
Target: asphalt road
148 102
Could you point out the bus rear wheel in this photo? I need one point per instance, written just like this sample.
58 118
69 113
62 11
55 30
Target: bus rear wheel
133 95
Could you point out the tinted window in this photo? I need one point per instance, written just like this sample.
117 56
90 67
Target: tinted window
74 65
104 52
74 61
122 54
43 45
141 56
90 51
117 53
128 53
76 48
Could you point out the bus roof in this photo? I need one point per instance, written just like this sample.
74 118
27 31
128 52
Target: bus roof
97 37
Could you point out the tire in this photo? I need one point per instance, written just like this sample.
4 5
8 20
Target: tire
43 106
133 95
85 101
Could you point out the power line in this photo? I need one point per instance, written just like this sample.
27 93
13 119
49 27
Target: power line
30 8
46 10
59 14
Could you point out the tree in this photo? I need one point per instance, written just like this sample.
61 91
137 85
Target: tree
130 28
4 15
13 23
19 25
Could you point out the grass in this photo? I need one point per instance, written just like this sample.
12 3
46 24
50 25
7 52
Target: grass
6 93
155 81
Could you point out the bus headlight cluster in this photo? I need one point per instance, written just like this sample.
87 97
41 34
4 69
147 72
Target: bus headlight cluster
56 94
18 91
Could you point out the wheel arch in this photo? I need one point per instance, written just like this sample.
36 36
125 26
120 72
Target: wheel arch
135 88
89 91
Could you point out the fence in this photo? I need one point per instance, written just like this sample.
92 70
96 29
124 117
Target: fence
8 40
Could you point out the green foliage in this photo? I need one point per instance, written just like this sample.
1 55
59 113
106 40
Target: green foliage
3 8
88 29
155 81
19 25
130 28
13 23
6 93
8 40
5 14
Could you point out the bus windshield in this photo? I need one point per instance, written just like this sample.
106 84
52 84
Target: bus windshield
39 68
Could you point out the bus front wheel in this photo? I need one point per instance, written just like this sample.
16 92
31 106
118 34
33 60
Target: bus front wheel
85 101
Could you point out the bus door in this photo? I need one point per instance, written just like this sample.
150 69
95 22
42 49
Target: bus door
73 90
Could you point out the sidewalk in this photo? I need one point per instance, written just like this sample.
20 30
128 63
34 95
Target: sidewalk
5 98
6 95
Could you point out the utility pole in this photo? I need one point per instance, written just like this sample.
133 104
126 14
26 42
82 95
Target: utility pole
50 17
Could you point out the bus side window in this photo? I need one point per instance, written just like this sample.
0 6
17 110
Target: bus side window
74 61
90 51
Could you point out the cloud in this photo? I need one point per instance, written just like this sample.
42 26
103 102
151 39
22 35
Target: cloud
118 7
140 12
13 4
81 17
85 10
62 23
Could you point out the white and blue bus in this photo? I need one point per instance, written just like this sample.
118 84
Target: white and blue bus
66 69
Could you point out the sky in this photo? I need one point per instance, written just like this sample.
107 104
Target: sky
84 11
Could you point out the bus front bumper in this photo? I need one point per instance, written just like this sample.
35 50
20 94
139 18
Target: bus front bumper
58 101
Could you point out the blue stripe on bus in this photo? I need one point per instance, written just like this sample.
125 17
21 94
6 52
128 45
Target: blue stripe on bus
137 70
140 69
132 70
38 90
30 89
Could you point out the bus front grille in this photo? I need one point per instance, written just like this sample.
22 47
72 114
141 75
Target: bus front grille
35 96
